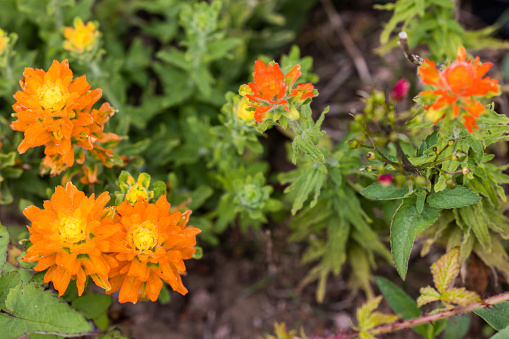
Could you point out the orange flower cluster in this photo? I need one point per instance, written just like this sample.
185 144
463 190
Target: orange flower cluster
456 88
273 90
56 111
134 251
81 37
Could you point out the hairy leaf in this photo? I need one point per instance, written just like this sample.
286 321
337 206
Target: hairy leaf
7 282
31 309
503 334
406 225
379 192
455 198
497 317
369 319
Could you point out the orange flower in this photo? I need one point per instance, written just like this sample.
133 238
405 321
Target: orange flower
70 239
457 87
151 246
271 88
82 37
56 111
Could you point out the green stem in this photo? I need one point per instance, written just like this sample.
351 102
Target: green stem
429 318
375 147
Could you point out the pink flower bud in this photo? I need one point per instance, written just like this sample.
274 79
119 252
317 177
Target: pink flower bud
400 90
385 179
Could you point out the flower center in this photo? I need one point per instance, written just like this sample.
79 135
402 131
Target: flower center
72 229
52 96
145 236
460 78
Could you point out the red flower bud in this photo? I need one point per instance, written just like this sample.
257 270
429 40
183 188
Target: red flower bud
400 90
385 179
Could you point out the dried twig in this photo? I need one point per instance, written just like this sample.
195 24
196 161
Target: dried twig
346 39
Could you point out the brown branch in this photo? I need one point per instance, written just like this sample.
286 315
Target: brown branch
429 318
403 42
346 39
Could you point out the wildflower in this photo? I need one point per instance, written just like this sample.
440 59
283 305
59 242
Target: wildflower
56 111
272 89
4 41
400 90
457 87
70 239
82 37
151 247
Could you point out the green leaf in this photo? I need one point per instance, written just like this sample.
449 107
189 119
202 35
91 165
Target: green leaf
457 327
304 142
4 242
446 269
400 302
473 217
7 282
496 316
406 225
428 294
31 309
455 198
421 200
92 305
114 334
164 296
378 192
311 180
503 334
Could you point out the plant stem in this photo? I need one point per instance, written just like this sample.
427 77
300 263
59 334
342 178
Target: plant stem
375 148
396 326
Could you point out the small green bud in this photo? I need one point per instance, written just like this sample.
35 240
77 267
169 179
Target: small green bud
353 143
459 156
356 126
421 181
451 183
465 170
370 156
399 180
451 142
369 169
394 136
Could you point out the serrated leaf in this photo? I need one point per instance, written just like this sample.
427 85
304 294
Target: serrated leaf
497 317
446 269
31 309
455 198
406 225
428 294
92 305
460 296
400 302
369 319
378 192
4 242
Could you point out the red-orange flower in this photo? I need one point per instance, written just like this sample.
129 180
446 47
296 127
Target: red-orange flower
70 239
272 89
151 246
56 111
456 87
